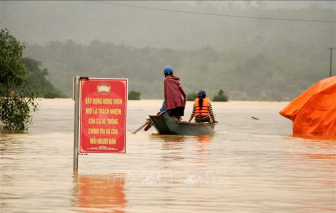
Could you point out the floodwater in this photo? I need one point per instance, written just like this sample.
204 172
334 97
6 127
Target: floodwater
248 165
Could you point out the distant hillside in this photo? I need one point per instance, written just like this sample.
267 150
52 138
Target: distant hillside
273 57
36 77
257 76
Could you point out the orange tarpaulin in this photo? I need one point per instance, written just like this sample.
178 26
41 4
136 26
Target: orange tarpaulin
314 111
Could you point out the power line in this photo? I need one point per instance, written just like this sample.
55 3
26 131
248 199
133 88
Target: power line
214 14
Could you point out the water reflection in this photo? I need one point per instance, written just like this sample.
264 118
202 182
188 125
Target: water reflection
314 137
169 142
9 132
8 139
203 138
173 143
94 193
172 147
167 138
319 147
312 161
202 147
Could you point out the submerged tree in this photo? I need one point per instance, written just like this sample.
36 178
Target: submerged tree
220 96
134 95
17 101
191 96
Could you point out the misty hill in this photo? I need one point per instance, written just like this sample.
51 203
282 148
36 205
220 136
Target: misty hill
256 58
36 79
84 21
260 76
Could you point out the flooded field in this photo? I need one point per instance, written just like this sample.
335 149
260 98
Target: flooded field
248 165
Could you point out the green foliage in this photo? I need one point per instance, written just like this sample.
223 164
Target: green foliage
17 100
220 96
134 95
16 112
253 74
36 78
258 57
191 96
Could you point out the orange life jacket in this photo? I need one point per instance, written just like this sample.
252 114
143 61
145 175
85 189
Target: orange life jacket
205 108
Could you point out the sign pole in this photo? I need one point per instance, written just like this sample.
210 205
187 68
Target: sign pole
331 58
76 121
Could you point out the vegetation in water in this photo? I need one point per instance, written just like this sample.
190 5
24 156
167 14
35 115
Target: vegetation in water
220 96
17 99
191 96
134 95
22 81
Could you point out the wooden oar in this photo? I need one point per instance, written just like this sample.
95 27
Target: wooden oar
148 126
142 126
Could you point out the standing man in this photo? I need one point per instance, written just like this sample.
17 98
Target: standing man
175 97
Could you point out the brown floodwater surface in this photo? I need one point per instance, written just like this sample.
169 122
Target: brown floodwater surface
248 165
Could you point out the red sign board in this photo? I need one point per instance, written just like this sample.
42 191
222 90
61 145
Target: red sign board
103 108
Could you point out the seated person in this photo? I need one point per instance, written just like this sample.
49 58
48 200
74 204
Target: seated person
202 109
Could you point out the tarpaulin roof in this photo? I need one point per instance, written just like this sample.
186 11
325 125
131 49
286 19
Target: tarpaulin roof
314 111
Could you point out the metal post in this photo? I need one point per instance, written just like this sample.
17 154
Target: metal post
76 121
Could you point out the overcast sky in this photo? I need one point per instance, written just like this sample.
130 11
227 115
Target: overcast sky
84 21
295 4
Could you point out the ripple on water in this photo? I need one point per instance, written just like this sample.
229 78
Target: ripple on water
248 165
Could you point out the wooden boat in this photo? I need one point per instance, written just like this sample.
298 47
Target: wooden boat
165 125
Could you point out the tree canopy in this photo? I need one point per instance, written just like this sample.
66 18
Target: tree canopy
36 77
220 96
134 95
17 100
191 96
260 76
21 81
